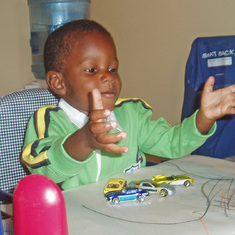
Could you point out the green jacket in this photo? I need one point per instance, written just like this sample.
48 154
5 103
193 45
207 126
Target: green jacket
49 128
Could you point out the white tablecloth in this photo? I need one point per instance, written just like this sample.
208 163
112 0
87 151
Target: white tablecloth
206 207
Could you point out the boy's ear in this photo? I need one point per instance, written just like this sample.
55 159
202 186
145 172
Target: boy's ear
55 82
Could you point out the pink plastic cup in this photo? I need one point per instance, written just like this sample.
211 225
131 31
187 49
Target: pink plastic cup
39 207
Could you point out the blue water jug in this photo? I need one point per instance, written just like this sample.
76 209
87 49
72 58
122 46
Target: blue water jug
45 17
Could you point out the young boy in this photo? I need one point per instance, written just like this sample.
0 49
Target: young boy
93 134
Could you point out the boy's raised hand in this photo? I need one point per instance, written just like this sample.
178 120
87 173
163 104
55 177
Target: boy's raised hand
99 127
217 103
94 134
214 105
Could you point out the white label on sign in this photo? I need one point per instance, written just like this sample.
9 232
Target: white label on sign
225 61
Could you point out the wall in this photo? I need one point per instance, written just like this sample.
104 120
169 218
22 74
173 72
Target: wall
15 52
153 40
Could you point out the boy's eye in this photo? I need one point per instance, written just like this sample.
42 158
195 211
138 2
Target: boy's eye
112 70
91 70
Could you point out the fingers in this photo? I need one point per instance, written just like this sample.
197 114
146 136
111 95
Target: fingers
232 88
104 140
98 116
208 87
116 149
107 142
99 131
98 127
228 105
111 138
102 127
231 110
97 99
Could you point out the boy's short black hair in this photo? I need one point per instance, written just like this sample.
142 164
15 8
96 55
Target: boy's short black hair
59 44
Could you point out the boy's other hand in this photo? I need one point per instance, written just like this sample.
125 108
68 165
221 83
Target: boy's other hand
98 127
214 105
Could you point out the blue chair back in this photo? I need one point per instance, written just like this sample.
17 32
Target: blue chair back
211 56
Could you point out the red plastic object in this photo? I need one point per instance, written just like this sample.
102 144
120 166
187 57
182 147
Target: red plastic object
39 207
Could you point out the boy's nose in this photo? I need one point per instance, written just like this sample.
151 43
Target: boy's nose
107 78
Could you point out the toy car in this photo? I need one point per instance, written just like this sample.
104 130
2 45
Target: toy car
154 188
128 193
173 179
115 184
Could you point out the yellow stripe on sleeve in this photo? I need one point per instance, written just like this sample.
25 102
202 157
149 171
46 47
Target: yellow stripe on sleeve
125 100
29 159
40 120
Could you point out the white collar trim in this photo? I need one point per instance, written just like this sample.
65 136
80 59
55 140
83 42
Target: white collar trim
75 116
79 118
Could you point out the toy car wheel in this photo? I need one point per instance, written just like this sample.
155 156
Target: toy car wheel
115 200
187 183
163 192
141 198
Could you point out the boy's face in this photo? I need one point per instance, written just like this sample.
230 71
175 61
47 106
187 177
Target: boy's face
93 64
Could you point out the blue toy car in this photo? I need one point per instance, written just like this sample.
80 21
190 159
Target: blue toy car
128 193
